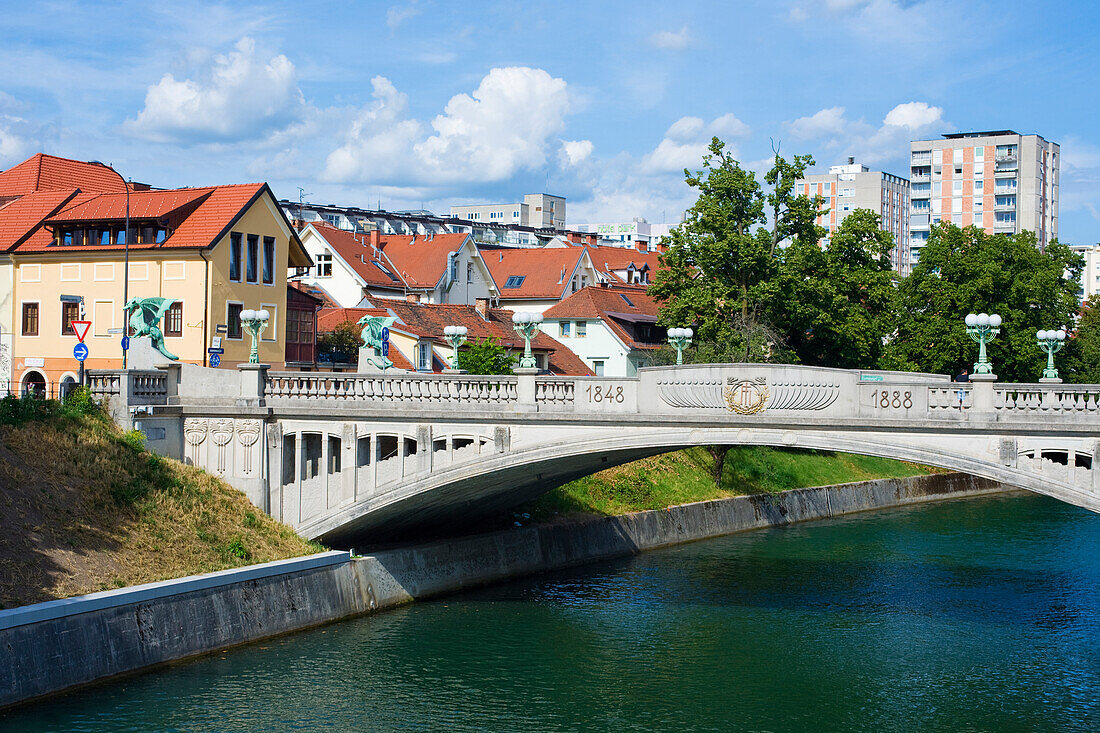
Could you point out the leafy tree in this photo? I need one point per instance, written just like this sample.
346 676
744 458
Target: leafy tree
834 305
485 356
965 271
341 344
719 261
1080 360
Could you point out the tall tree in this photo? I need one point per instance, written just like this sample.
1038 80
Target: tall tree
835 304
1081 361
965 271
719 261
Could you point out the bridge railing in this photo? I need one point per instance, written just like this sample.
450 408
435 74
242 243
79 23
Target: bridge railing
1060 398
138 387
424 389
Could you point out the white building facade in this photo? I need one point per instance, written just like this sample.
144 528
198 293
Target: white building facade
540 210
846 188
636 234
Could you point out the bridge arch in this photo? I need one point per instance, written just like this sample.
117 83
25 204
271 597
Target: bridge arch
465 492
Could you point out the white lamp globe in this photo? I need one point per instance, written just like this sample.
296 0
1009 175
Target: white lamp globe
1040 335
971 320
675 332
536 318
1060 334
983 319
995 321
248 314
462 330
688 332
517 317
264 315
448 330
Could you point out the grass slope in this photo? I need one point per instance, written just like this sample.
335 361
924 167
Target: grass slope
688 475
84 507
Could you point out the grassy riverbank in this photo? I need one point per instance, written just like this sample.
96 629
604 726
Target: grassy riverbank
84 507
688 475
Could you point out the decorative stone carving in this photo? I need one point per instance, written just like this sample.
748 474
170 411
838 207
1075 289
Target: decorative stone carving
194 433
248 434
816 394
274 435
221 431
746 396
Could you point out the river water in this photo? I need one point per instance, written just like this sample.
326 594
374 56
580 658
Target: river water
979 614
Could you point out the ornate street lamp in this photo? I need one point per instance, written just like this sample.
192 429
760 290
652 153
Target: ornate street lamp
983 328
456 335
527 325
1051 342
254 321
679 339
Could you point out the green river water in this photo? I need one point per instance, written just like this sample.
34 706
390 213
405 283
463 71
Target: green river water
978 614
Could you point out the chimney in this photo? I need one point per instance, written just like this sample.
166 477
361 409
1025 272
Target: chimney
593 239
412 297
481 305
375 238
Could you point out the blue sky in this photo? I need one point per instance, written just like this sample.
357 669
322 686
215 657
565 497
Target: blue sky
432 103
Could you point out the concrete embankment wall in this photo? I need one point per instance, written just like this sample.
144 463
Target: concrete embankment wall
53 646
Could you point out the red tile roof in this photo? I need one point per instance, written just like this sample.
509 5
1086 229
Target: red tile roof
143 205
422 261
609 259
615 306
314 291
546 272
49 173
22 218
355 249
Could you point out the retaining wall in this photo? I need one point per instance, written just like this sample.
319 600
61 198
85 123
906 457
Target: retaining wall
53 646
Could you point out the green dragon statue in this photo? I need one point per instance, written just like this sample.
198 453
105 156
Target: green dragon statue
372 337
145 315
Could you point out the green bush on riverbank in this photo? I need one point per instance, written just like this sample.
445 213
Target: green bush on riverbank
688 475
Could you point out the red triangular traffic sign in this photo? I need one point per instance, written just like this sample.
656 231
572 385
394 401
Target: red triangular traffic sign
81 328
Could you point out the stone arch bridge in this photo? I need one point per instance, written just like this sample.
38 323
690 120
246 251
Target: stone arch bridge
346 456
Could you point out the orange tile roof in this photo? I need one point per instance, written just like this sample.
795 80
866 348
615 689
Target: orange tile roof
43 172
614 305
314 291
143 205
546 272
422 261
22 218
355 249
609 259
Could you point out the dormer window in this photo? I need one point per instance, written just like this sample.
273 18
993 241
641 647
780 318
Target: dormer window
514 281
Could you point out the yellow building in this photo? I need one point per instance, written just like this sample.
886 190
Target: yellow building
215 251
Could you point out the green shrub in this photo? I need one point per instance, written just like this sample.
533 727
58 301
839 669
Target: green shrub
135 439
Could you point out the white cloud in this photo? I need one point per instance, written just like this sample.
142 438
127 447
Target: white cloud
502 127
671 156
820 124
685 128
728 126
575 152
914 115
397 15
671 40
240 96
686 141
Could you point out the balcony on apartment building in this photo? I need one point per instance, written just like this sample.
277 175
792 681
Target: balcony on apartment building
1005 203
922 158
921 177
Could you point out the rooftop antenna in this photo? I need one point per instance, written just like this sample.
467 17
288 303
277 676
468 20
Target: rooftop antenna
301 198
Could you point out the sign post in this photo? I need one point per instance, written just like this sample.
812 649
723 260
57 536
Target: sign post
80 351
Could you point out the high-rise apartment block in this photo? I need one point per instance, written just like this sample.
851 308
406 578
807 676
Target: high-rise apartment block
846 188
540 210
1000 181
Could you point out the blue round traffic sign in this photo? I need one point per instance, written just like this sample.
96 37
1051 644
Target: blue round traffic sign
215 359
385 335
80 351
125 342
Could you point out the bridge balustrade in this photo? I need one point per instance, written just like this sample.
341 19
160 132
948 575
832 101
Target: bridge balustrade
405 388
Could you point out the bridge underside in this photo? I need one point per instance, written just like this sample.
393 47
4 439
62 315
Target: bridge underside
488 485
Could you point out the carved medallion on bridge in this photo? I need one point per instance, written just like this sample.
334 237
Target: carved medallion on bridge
248 433
746 396
795 394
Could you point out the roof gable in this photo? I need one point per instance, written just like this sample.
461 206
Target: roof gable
533 273
43 172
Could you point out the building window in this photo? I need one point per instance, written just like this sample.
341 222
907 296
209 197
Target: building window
235 257
597 367
233 321
514 281
424 356
173 320
469 272
269 260
69 312
582 329
30 319
324 265
252 263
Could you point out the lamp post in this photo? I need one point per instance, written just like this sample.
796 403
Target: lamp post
680 339
1051 342
126 262
457 336
983 328
527 325
254 321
